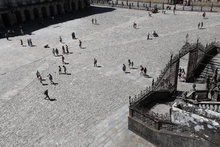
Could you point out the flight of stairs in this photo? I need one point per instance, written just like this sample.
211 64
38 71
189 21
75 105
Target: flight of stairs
209 69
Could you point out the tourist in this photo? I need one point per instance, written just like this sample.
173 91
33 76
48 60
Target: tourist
73 36
204 14
174 10
199 25
141 69
134 25
54 52
28 42
64 69
67 49
95 62
124 68
31 44
152 82
63 49
57 52
155 34
132 64
50 78
60 70
95 21
129 63
6 36
92 21
46 94
80 43
148 36
21 42
145 71
39 77
63 59
60 39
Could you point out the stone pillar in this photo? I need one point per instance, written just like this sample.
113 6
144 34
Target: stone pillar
1 21
76 5
12 18
48 11
55 10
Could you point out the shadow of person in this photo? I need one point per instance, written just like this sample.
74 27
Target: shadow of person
44 84
99 66
133 68
55 83
68 73
52 99
83 47
127 72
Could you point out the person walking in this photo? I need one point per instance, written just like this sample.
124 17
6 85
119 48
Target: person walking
199 25
60 70
51 79
64 69
124 68
60 39
95 62
21 42
63 49
63 59
46 94
80 43
57 52
67 49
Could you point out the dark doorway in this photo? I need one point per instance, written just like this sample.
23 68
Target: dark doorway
27 15
59 9
86 2
73 6
44 12
18 17
51 10
6 20
66 7
79 5
36 13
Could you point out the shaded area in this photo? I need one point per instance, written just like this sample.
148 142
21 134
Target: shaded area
32 26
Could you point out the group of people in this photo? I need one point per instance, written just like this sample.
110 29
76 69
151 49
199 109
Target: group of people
181 74
200 25
29 42
94 21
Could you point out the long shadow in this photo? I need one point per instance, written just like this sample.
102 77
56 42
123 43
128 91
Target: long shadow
42 23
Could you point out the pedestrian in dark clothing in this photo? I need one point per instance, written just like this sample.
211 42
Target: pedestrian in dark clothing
60 39
73 36
95 62
57 52
63 49
46 94
60 70
63 59
67 49
129 63
132 64
21 42
51 79
199 25
64 69
145 71
80 43
124 68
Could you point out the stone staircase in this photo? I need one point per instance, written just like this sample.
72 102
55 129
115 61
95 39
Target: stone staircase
209 69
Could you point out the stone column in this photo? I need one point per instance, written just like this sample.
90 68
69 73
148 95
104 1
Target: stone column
12 18
1 21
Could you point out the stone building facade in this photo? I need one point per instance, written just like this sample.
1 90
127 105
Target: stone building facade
186 2
14 12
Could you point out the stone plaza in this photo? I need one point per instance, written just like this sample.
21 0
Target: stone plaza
91 103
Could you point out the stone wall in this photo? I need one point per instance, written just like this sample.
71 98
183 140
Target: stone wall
17 15
165 138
